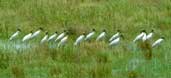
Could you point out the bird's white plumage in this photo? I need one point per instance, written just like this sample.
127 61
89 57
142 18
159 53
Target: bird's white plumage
79 40
89 36
44 39
14 35
63 41
114 36
150 35
36 33
140 36
52 37
27 37
101 36
144 38
157 42
114 42
60 36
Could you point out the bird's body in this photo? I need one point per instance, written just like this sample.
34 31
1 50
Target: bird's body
150 35
52 37
15 34
79 40
35 34
45 38
60 36
27 37
144 38
90 35
114 36
114 42
157 42
63 41
140 36
101 36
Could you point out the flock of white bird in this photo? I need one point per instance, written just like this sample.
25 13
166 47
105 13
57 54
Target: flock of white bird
63 37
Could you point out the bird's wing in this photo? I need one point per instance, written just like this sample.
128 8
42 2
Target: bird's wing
36 33
89 35
139 37
114 36
114 41
100 36
14 35
156 42
149 35
60 36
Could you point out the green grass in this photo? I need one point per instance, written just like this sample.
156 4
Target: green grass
91 60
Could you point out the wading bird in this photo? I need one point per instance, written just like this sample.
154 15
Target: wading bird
101 36
45 38
35 34
63 41
158 42
140 36
150 35
115 36
15 34
52 37
28 36
116 41
79 39
90 35
61 36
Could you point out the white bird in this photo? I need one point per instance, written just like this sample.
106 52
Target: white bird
52 37
45 38
79 39
15 34
35 34
61 36
140 36
102 35
27 37
63 41
150 35
115 41
115 36
158 42
144 38
89 36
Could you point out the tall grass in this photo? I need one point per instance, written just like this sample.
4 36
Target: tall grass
89 60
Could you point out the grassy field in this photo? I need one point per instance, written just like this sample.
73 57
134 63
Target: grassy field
90 60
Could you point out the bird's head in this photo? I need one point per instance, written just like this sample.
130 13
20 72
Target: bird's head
31 31
104 30
163 38
143 31
65 31
94 29
40 28
19 29
46 32
118 30
56 32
